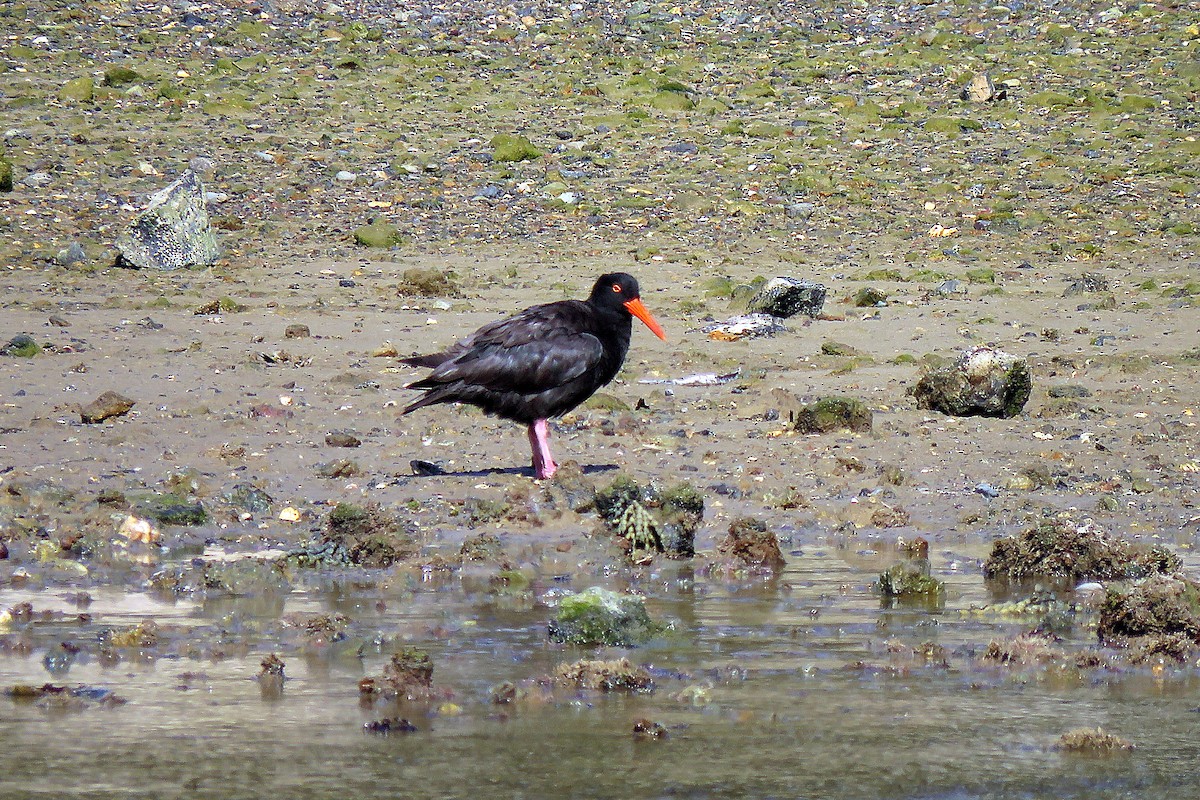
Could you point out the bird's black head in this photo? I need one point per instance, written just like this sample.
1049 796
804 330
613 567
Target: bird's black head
614 289
618 290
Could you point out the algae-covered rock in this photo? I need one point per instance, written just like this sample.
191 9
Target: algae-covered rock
982 382
834 414
174 231
6 175
751 545
371 535
605 676
599 616
650 519
1071 552
509 147
378 234
21 346
79 90
909 581
869 297
121 76
107 405
1158 606
171 509
785 297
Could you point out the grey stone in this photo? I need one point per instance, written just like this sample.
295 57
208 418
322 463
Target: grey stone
982 382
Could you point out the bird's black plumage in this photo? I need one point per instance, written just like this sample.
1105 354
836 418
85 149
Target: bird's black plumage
540 363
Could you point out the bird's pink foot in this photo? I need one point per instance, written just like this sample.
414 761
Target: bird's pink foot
539 440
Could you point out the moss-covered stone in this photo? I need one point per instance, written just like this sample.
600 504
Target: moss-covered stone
834 414
121 76
599 616
378 234
79 90
171 509
6 175
371 535
21 346
507 147
428 282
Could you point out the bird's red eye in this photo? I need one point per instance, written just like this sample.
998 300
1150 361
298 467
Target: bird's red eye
616 288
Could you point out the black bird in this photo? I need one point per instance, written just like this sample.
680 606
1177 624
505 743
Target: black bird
540 363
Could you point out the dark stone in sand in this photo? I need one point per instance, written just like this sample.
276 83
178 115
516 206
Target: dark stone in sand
750 544
342 439
297 332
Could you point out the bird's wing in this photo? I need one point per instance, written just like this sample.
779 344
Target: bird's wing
536 350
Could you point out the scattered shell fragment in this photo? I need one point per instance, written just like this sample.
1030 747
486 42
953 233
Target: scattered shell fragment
699 379
743 327
289 514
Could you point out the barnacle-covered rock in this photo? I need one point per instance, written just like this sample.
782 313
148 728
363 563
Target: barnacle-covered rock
174 231
786 297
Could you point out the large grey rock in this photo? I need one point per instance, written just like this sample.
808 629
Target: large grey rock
173 232
785 297
982 382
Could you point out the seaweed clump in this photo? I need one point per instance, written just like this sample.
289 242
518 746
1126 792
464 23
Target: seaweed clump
1061 549
1095 741
750 545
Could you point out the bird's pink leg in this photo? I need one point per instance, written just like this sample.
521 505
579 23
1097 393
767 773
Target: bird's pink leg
539 440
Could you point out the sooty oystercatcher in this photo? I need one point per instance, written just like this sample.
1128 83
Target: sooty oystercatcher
540 363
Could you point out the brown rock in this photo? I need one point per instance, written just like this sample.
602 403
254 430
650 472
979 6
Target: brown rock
109 404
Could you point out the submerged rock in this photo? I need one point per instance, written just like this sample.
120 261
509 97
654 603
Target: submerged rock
604 617
786 297
407 676
981 382
605 676
909 580
1071 552
173 232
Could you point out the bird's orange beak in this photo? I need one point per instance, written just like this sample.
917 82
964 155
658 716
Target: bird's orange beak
638 310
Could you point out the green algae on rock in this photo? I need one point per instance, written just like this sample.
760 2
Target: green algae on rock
598 616
507 147
834 414
378 234
21 346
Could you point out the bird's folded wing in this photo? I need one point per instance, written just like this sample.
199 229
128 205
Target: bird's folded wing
528 367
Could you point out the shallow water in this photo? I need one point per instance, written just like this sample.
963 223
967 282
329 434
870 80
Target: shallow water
803 700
